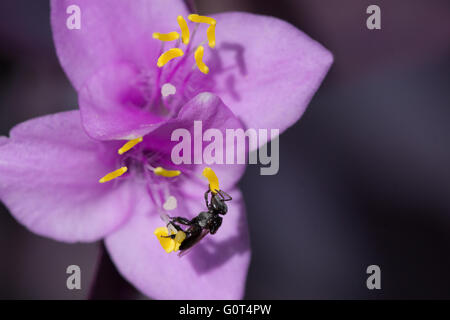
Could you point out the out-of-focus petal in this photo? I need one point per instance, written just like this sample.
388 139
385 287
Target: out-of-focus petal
49 172
263 68
3 140
111 31
115 103
216 268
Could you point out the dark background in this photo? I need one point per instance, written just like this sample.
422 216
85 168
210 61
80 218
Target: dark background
364 175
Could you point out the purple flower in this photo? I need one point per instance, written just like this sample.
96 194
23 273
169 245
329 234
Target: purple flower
262 74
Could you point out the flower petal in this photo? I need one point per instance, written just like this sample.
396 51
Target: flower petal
213 114
3 140
263 68
114 104
216 268
49 172
111 31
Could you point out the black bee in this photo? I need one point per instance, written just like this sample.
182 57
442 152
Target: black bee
205 222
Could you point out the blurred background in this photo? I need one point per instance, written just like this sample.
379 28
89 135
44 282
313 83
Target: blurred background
364 175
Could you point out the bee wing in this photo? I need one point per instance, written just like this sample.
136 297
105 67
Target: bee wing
185 252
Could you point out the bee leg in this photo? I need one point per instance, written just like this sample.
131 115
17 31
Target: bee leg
206 197
169 236
181 220
176 226
223 194
172 236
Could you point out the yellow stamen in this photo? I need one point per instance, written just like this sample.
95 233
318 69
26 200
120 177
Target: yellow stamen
184 29
201 19
211 34
212 178
169 55
160 171
166 36
168 243
130 144
199 60
112 175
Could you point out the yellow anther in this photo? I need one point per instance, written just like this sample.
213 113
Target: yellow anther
130 144
179 238
211 34
199 60
166 36
112 175
160 171
184 29
168 243
201 19
169 55
212 178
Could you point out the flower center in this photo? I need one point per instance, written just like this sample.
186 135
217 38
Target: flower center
144 165
173 65
185 36
138 160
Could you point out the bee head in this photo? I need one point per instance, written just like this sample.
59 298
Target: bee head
218 205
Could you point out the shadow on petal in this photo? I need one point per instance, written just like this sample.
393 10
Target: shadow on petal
222 77
239 55
210 254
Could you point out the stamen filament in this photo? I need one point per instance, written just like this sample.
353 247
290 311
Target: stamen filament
130 144
169 55
211 34
199 60
166 36
184 29
201 19
160 171
112 175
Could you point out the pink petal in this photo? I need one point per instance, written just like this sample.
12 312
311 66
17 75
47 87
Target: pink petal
3 140
213 113
263 68
49 172
216 268
111 31
114 104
